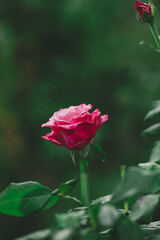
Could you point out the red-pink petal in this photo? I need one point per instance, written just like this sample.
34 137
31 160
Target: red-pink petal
53 140
102 119
74 127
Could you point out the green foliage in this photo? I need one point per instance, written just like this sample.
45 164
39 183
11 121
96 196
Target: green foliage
71 219
136 182
151 230
157 237
155 155
128 230
67 186
22 199
83 152
39 235
65 234
52 200
149 166
155 110
144 206
154 129
108 216
112 221
73 153
102 200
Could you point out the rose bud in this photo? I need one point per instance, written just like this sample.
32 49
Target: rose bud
74 127
145 12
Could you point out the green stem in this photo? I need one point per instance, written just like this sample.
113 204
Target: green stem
123 172
84 184
71 198
85 193
155 34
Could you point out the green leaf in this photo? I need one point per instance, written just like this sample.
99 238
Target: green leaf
155 109
108 216
53 199
149 166
83 152
156 237
151 229
73 153
136 182
155 155
154 129
50 202
70 219
144 207
102 200
127 230
22 199
74 234
77 209
67 186
106 233
65 234
55 192
55 195
149 44
39 235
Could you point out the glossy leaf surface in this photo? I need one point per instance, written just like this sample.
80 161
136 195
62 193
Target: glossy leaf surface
22 199
67 186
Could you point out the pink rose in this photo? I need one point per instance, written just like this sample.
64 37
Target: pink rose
145 11
74 127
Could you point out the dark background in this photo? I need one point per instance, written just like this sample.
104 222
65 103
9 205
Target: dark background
54 54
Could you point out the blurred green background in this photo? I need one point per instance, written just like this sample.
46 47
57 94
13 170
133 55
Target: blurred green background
54 54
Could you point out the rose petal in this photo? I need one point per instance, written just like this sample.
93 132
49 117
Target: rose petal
52 139
74 127
73 138
102 119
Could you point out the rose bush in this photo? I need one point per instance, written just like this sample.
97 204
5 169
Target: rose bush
74 127
145 11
